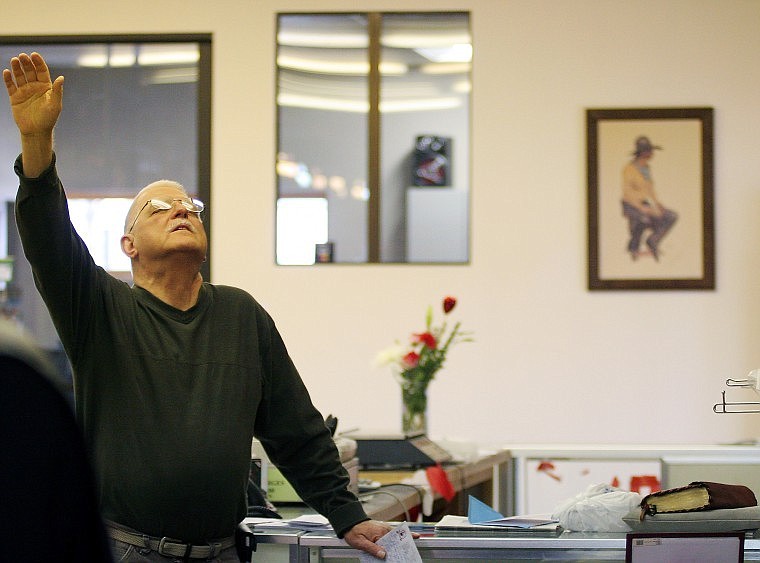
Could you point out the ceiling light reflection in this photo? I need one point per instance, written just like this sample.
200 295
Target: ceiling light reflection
358 106
330 40
360 191
123 55
313 102
319 182
462 87
149 57
453 53
287 167
424 39
338 185
93 60
327 66
445 68
397 106
174 76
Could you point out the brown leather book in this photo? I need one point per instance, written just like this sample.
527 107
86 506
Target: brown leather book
699 495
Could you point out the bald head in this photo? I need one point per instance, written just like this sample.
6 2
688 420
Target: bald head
155 189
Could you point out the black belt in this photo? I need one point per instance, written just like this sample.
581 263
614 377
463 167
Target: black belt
170 547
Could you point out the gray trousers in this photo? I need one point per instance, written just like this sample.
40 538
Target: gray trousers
132 554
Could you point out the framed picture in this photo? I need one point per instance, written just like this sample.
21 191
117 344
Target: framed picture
650 198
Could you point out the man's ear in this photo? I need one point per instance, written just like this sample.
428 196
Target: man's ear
128 245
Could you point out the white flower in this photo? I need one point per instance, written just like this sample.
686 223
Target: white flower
390 356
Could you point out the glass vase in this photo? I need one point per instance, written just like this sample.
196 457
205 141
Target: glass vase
414 409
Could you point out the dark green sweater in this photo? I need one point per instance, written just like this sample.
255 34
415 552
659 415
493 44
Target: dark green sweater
169 400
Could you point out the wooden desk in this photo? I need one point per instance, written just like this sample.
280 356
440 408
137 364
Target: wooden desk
486 478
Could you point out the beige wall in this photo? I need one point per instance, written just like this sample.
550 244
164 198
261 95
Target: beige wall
552 361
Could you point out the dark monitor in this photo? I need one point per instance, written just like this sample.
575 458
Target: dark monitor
399 452
709 547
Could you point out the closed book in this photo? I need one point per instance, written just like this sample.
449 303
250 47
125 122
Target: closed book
699 495
718 520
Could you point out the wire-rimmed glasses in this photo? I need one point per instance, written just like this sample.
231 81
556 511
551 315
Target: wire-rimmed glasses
191 204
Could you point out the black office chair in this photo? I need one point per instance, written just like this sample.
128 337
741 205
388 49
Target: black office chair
48 505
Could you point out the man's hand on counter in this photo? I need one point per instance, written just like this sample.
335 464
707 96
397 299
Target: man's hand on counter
364 535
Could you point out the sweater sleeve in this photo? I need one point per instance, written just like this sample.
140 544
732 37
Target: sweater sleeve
64 272
297 441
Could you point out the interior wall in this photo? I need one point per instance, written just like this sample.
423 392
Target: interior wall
552 362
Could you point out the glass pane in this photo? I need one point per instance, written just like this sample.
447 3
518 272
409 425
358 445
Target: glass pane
129 118
424 112
322 104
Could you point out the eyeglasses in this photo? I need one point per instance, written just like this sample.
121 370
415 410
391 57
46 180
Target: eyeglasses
191 204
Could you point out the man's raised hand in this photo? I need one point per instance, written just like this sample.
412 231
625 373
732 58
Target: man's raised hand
36 101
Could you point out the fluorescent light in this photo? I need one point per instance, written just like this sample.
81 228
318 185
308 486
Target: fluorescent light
329 40
174 75
147 55
287 168
316 102
427 104
122 60
93 60
327 66
323 66
452 53
445 68
150 56
360 191
422 39
121 55
462 87
360 106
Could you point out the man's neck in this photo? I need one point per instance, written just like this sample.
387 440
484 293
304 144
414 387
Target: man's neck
176 288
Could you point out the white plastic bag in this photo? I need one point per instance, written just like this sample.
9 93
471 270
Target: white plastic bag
600 508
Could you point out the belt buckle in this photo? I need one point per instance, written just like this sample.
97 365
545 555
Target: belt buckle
165 544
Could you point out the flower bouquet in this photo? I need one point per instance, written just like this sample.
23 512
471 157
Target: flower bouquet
416 364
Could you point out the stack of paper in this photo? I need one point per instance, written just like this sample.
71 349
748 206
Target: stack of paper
306 522
311 522
483 519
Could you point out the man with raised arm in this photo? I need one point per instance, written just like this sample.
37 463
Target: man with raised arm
173 376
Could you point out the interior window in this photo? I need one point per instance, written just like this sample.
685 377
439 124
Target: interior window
373 117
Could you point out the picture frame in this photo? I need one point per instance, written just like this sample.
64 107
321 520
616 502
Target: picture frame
650 198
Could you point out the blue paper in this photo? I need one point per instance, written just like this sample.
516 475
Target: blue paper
479 512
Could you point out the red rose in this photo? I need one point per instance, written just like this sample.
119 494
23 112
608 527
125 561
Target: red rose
411 360
448 304
425 338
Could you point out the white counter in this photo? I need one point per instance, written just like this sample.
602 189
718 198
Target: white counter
543 475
